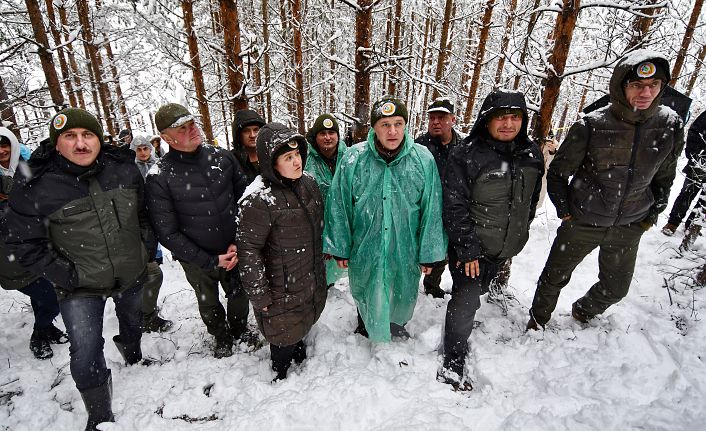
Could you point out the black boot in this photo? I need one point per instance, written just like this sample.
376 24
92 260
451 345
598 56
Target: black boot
360 329
131 353
98 404
55 335
299 352
154 323
39 345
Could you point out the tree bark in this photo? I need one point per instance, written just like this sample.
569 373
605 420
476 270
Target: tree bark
231 38
96 64
63 66
564 31
443 42
6 111
505 42
363 36
118 88
480 53
199 87
266 58
525 46
45 56
63 19
679 62
641 26
298 64
697 69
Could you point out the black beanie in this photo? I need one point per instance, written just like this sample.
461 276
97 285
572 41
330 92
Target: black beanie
388 106
323 122
647 70
70 118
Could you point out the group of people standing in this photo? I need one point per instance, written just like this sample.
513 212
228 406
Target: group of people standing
279 219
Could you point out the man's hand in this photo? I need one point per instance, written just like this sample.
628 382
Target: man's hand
229 259
472 269
342 263
426 270
567 218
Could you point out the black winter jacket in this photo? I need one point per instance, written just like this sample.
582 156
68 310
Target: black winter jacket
439 151
696 143
85 229
622 161
244 118
192 201
492 188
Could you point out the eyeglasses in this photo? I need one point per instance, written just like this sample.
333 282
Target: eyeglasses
639 85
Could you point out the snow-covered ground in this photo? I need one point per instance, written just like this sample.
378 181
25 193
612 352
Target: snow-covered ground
639 366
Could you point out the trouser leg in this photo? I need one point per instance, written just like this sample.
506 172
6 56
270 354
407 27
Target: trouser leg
689 190
128 307
205 285
432 282
461 310
281 359
238 305
572 244
83 317
45 305
150 293
616 264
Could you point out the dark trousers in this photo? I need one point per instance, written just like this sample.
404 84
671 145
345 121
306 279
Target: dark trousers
616 263
465 301
432 282
153 284
83 317
45 306
692 186
205 285
282 356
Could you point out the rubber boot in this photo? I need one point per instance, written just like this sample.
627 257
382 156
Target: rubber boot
98 403
131 353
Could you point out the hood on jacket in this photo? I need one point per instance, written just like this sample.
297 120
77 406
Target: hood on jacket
14 148
619 104
270 139
500 99
243 119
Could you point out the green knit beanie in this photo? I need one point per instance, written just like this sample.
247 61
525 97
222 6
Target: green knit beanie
388 106
171 115
323 122
70 118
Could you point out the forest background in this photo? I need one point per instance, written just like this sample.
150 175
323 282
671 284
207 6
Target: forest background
292 60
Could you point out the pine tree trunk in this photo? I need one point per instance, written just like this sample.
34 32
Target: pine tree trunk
564 31
94 84
266 59
298 64
697 69
70 53
679 62
63 66
562 122
231 37
361 97
641 26
118 88
505 42
45 56
397 28
199 87
466 72
443 41
97 64
6 111
525 46
480 53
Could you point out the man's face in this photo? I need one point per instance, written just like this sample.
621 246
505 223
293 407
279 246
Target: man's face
143 153
5 151
79 145
155 143
327 142
248 136
440 124
127 140
289 164
640 94
390 132
185 138
505 127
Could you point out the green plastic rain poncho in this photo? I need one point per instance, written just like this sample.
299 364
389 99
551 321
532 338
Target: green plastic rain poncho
386 220
317 167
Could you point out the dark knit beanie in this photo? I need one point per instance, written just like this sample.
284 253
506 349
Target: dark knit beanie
504 111
323 122
285 148
388 106
171 115
647 70
70 118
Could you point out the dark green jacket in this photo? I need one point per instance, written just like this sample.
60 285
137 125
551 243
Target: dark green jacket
623 161
85 229
12 274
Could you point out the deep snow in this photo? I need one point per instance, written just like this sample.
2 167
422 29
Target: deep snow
639 366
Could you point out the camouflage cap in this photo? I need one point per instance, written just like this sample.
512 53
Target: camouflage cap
171 115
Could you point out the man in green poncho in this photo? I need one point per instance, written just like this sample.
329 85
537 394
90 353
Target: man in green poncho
383 221
325 153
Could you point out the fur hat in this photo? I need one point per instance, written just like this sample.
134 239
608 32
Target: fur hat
388 106
140 141
70 118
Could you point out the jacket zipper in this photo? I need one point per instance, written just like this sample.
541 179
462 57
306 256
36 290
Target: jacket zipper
631 171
